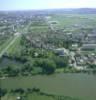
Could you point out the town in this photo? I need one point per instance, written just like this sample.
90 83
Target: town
43 44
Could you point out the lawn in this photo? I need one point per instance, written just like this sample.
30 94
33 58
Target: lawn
15 47
3 46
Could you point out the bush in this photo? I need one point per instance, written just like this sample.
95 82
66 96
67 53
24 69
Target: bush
19 90
36 90
48 66
61 62
2 92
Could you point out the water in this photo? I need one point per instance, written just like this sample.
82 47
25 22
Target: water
81 86
7 62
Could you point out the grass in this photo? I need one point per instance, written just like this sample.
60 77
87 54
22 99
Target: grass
10 44
30 96
15 47
38 97
67 20
35 96
5 44
38 29
59 70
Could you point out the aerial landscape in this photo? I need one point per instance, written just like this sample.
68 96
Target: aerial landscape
48 54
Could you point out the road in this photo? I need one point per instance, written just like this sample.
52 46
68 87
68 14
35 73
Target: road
73 58
50 25
11 43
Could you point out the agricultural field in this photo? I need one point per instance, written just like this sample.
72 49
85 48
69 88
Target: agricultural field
74 20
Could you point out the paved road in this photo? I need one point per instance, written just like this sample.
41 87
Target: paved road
50 25
11 43
73 58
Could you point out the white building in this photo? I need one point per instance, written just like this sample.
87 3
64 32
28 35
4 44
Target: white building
89 47
61 51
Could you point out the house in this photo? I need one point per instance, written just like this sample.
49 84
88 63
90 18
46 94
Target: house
91 36
88 47
78 36
61 51
74 46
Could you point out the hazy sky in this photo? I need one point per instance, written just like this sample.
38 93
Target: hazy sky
45 4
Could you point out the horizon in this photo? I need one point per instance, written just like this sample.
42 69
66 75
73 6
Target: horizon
45 9
19 5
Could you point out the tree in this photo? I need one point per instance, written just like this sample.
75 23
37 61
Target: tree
92 66
2 92
48 66
61 62
19 90
11 71
28 66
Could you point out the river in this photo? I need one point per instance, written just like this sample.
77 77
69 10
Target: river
81 86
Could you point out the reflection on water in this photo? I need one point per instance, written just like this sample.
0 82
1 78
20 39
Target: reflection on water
4 61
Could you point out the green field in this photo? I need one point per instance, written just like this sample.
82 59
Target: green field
15 47
70 20
3 46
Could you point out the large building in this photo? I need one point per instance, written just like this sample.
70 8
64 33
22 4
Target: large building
61 51
88 47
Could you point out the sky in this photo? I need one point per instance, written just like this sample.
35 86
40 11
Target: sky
45 4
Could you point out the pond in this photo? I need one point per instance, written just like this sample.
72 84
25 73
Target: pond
81 86
4 61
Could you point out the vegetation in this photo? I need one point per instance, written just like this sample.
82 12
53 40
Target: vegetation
28 94
27 48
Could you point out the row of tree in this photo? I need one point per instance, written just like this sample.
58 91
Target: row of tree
46 66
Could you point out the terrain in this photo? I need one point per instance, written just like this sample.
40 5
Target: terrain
48 54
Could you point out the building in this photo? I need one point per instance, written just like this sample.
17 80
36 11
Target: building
61 51
88 47
74 46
